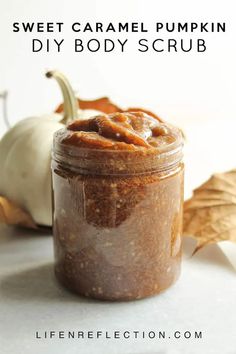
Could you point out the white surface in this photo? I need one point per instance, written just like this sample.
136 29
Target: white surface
31 300
182 88
202 300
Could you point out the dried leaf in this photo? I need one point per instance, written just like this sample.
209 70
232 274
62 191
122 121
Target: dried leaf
106 106
12 214
101 104
210 215
218 182
215 195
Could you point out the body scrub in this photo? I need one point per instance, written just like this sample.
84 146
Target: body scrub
118 194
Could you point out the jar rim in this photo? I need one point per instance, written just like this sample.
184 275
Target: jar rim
117 162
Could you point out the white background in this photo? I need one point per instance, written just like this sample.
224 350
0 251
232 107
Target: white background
179 87
195 91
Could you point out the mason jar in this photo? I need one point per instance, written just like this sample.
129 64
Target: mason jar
117 209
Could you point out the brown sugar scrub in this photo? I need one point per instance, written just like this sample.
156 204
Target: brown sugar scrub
118 195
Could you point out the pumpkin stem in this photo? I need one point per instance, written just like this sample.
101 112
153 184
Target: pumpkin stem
70 101
4 96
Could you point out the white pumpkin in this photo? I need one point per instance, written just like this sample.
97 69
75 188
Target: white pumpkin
25 156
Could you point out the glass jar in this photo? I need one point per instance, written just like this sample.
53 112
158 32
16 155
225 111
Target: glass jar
117 218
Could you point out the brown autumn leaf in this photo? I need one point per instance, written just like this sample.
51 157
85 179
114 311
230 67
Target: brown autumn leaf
210 215
104 105
12 214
